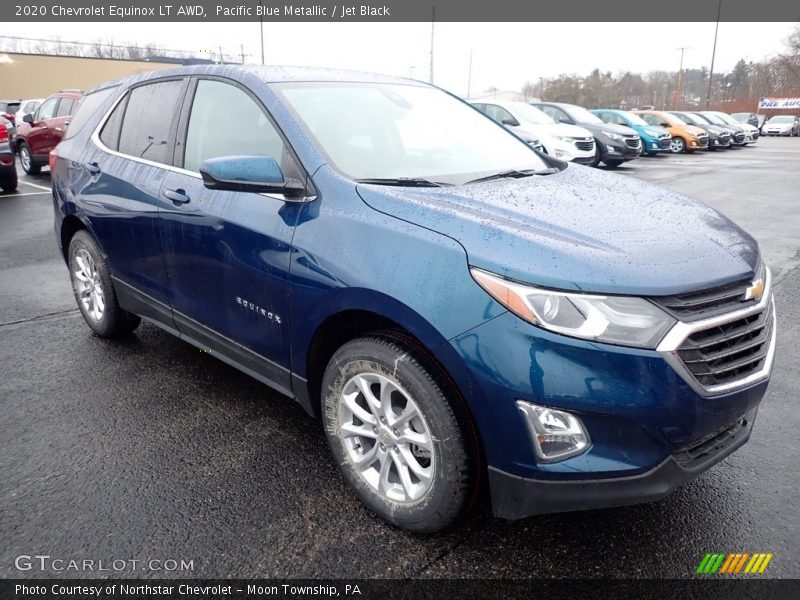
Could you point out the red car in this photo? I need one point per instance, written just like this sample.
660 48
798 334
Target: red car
41 132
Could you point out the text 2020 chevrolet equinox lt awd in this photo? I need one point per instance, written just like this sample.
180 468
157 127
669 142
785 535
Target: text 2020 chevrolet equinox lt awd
454 306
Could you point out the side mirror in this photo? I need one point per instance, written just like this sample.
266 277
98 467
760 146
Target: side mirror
511 122
257 174
664 124
565 120
28 118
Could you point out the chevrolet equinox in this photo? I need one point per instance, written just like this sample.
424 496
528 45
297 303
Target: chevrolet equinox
458 309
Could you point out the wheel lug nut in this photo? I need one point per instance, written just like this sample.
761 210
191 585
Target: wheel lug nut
374 429
383 420
395 431
395 448
383 447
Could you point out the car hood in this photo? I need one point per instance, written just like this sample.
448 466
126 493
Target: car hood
652 131
581 229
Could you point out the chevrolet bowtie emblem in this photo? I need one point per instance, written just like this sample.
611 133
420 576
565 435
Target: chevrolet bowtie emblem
755 291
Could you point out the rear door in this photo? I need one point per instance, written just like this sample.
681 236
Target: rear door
126 165
60 121
40 136
228 253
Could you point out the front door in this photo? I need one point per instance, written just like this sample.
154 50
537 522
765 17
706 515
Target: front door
228 253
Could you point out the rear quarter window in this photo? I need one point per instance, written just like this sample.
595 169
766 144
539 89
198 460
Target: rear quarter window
87 107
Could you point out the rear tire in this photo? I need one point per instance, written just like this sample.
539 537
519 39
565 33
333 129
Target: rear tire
26 158
94 290
9 182
399 441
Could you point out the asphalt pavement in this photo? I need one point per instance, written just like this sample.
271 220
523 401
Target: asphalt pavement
147 449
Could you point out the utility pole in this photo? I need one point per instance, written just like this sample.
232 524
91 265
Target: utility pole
433 21
713 55
241 46
261 27
680 76
469 77
541 88
220 55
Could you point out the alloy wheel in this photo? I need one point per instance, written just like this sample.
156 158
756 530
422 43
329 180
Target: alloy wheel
88 285
386 437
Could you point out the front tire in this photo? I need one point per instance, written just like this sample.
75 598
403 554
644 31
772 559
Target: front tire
677 145
94 290
26 158
399 442
613 164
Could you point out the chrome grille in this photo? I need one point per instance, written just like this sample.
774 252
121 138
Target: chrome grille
665 142
632 142
707 303
738 138
728 352
724 139
585 145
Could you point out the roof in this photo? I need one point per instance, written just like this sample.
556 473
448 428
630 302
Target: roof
268 74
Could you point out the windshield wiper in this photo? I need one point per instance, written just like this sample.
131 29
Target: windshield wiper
403 181
515 174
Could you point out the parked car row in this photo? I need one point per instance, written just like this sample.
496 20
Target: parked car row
613 136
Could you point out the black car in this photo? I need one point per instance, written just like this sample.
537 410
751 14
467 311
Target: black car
614 144
718 136
749 118
737 131
8 170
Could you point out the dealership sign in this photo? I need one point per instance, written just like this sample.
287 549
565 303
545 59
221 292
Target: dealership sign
779 103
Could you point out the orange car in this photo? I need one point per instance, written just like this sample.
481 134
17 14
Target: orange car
685 137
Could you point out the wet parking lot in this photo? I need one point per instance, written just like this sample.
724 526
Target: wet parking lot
148 449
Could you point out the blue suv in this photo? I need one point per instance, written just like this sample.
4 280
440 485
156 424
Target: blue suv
654 139
458 309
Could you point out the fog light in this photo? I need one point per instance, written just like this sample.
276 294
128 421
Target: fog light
560 153
556 434
655 145
611 149
694 143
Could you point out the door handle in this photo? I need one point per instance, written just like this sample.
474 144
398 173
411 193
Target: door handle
177 196
93 168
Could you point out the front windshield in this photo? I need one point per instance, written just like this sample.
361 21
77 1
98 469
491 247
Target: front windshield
726 118
393 131
741 117
686 118
581 115
636 119
698 118
531 114
716 120
781 119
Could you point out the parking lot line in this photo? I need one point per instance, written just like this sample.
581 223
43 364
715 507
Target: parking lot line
23 194
35 185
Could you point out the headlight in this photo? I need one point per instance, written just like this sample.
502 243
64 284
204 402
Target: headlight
622 320
614 136
564 138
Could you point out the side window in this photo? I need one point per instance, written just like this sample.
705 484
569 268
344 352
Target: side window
247 131
603 116
651 119
65 107
148 120
47 109
504 114
552 112
110 133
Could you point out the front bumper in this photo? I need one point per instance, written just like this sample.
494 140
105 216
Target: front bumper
515 497
618 151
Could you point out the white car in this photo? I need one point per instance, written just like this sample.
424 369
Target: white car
567 142
750 133
782 125
27 107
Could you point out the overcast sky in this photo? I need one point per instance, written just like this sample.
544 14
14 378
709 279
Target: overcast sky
505 55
